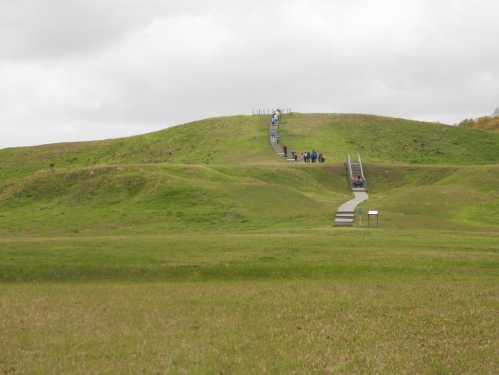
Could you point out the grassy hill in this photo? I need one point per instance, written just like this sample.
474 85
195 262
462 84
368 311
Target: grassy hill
381 139
197 250
232 140
220 174
439 197
243 140
147 199
169 199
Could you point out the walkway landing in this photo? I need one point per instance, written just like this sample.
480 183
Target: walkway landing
351 205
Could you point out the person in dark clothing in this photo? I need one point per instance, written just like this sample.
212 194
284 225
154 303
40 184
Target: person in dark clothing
358 182
285 150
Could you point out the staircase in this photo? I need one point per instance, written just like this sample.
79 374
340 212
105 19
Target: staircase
275 142
345 215
357 170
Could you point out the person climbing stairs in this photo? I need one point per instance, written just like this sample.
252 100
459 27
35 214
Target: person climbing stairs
275 141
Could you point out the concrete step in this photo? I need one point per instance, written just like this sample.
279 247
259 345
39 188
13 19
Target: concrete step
345 216
345 212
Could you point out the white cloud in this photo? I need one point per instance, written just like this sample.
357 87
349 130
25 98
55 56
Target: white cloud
80 69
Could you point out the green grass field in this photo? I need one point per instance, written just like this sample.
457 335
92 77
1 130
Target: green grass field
196 250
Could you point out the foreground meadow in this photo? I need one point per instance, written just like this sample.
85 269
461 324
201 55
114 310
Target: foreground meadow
316 301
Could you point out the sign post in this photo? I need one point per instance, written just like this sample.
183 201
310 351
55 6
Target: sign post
372 214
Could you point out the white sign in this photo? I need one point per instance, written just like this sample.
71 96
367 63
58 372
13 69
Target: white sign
373 213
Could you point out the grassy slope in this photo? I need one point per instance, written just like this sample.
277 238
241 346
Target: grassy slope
165 198
232 140
381 139
439 197
243 139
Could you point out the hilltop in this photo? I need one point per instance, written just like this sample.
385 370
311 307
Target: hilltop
390 140
231 140
244 140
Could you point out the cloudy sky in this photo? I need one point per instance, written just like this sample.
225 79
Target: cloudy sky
92 69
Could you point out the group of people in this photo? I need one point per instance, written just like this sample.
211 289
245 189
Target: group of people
309 157
306 157
357 182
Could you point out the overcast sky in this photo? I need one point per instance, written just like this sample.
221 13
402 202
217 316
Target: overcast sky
91 69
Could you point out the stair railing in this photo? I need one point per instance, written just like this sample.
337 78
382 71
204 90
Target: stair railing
362 171
349 170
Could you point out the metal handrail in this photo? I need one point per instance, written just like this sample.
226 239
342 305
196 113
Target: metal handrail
349 170
350 166
361 168
362 171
